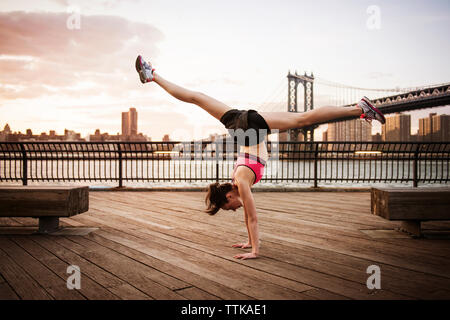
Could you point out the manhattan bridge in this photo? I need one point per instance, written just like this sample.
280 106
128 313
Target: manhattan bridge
299 95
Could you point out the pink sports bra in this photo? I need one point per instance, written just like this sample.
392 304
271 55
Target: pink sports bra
251 161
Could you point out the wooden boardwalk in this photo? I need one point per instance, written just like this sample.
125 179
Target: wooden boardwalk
160 245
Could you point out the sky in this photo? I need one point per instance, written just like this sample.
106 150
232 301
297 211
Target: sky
70 64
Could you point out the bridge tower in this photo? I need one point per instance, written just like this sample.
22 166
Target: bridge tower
307 81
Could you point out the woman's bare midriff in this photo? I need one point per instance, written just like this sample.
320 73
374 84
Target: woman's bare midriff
259 150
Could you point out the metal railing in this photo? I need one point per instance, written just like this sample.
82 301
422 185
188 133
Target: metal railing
297 162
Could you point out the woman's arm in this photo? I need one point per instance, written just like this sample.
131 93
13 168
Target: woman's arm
248 244
251 219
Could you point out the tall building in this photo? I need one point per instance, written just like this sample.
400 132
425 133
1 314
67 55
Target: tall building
130 127
397 128
129 123
441 127
125 124
426 128
132 120
350 130
434 128
5 133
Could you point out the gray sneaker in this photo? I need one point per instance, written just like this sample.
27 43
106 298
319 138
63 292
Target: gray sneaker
144 69
370 112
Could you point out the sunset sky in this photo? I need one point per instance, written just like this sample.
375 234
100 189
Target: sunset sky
54 77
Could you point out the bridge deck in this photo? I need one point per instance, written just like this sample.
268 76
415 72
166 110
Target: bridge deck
159 245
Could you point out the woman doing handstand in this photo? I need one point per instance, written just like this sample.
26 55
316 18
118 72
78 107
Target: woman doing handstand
249 167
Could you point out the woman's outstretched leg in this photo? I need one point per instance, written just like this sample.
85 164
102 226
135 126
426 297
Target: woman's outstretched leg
290 120
207 103
210 105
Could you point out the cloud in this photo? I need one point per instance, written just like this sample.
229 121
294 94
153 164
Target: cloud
61 61
52 77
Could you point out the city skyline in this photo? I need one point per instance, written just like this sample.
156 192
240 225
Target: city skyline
398 127
129 132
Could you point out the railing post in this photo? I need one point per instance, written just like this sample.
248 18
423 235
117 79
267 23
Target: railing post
415 166
24 165
120 166
316 153
217 161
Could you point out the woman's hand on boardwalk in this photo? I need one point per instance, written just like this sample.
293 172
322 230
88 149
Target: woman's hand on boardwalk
244 256
242 245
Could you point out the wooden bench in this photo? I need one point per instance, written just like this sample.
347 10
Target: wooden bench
43 202
411 206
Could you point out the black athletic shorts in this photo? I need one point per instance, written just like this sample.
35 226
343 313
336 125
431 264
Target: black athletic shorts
253 126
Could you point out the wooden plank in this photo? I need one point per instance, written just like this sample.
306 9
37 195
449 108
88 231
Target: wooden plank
161 278
289 284
43 201
342 237
300 229
105 279
326 235
305 215
193 293
404 285
370 263
71 222
212 287
54 285
130 271
8 222
89 288
321 257
322 294
27 222
23 284
371 250
290 236
347 280
351 289
40 188
128 292
318 233
255 284
440 225
6 292
444 249
271 218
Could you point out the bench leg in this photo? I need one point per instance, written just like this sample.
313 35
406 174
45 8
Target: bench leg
412 227
48 224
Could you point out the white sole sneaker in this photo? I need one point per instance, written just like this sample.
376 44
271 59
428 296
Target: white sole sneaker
144 70
370 112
